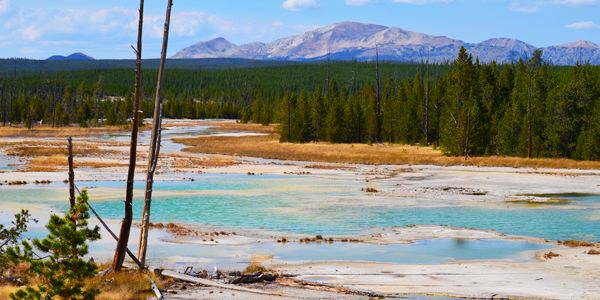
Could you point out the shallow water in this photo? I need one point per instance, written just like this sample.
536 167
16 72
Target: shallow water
435 251
432 251
425 297
9 163
311 206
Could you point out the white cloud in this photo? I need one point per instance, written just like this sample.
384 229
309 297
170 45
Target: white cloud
583 25
360 2
110 23
224 25
532 6
526 9
31 33
422 2
30 25
276 24
4 6
298 5
569 2
186 23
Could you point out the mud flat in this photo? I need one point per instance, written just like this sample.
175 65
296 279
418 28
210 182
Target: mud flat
194 234
490 184
572 275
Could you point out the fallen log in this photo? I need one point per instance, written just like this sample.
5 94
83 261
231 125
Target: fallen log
258 276
159 295
10 278
207 282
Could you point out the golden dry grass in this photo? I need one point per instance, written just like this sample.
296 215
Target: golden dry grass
6 290
60 162
222 125
48 131
576 243
127 284
207 161
32 148
269 147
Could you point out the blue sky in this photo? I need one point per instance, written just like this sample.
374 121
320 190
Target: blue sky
106 29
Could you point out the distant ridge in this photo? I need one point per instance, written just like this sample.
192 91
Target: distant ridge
353 40
77 55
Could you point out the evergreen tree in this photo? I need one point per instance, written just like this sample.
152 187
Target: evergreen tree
303 119
389 112
335 117
317 115
64 273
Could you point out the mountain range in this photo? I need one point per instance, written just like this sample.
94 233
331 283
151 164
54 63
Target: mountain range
77 55
353 40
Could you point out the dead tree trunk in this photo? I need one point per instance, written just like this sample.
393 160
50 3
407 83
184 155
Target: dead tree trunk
71 174
468 132
426 129
377 100
126 225
154 141
529 108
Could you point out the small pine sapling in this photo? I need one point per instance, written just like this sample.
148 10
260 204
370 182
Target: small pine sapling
11 236
63 272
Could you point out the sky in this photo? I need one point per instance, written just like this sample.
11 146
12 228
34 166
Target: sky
105 29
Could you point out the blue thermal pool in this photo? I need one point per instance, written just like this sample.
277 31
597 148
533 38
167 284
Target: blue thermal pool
306 205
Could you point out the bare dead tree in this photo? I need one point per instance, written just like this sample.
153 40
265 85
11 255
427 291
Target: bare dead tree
377 100
438 110
71 173
154 141
528 63
426 129
328 67
467 137
126 225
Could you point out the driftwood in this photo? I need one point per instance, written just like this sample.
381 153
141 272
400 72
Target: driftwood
258 276
207 282
157 292
10 278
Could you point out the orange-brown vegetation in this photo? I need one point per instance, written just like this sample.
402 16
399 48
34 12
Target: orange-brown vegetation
207 161
575 243
48 131
127 284
60 163
32 148
223 125
329 167
256 263
593 252
269 147
550 255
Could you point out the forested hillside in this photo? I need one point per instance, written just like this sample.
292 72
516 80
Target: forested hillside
81 94
23 66
526 108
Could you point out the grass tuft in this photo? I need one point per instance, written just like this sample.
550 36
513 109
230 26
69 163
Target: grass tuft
256 263
575 243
